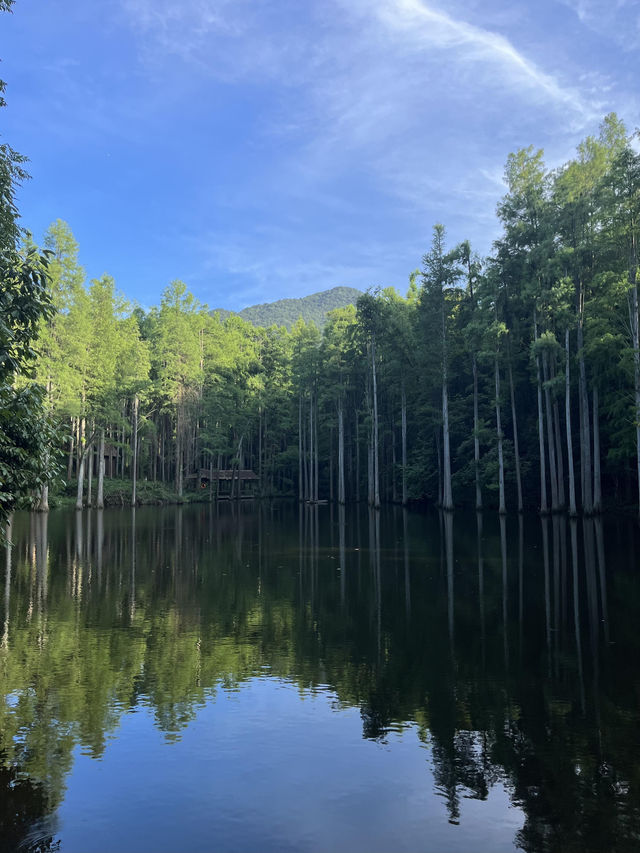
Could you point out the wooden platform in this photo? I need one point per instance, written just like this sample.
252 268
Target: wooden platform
224 474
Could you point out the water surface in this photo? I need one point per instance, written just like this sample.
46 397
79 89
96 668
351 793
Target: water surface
269 677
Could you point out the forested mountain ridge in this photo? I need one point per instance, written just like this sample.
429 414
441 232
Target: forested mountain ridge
284 312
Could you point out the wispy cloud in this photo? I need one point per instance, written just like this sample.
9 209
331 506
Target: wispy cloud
400 101
424 26
618 20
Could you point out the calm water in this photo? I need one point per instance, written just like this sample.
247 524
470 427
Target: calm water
268 678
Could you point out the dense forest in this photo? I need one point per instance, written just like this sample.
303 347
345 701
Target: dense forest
284 312
507 381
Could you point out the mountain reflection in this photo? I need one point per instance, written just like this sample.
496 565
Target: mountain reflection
510 646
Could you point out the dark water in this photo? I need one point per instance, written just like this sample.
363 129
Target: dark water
264 678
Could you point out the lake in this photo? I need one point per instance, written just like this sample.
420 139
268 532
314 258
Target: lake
269 677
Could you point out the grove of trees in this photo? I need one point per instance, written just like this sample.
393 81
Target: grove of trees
510 381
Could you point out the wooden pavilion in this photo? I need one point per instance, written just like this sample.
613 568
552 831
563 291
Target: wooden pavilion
237 482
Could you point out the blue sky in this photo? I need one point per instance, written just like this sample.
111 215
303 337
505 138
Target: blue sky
259 149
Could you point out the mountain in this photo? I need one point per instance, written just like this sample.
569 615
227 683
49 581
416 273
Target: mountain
285 312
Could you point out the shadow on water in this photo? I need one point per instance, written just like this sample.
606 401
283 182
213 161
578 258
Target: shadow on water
507 645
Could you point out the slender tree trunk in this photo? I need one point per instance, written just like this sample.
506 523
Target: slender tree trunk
161 451
502 509
439 456
544 507
597 489
311 469
567 404
71 446
635 334
476 430
300 458
180 466
357 441
79 493
80 440
331 463
559 454
585 431
447 494
376 473
100 498
305 462
134 466
557 436
341 491
394 465
553 471
315 470
404 446
120 457
89 464
516 445
260 448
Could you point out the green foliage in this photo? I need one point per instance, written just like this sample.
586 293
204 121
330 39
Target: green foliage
25 300
183 390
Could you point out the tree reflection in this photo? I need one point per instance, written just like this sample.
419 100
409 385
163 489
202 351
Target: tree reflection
186 602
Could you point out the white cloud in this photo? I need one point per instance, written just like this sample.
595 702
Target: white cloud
422 26
611 18
418 105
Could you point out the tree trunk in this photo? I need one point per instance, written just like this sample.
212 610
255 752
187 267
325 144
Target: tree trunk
179 467
447 494
309 454
585 432
100 498
516 446
134 465
439 457
80 440
635 334
315 442
79 493
476 436
544 507
559 454
43 502
356 417
502 509
567 405
394 465
597 489
376 473
341 491
90 472
71 446
162 454
260 448
300 458
557 438
553 471
404 446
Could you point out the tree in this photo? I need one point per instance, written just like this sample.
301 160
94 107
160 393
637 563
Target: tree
439 274
25 300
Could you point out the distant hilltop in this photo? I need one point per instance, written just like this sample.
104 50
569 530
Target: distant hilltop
285 312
